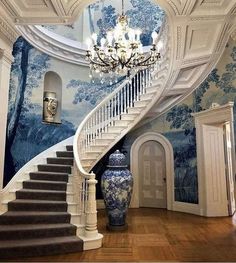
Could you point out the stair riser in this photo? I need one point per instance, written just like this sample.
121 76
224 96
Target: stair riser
147 96
69 147
49 177
37 233
135 110
60 161
65 154
115 129
44 186
91 155
37 207
97 148
109 136
103 142
123 123
46 219
42 250
141 103
51 168
41 196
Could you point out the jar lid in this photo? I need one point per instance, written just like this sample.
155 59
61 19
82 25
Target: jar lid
117 159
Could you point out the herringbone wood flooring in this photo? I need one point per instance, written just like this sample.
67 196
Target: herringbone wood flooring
160 235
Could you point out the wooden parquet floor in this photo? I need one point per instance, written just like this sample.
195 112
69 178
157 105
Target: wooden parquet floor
160 235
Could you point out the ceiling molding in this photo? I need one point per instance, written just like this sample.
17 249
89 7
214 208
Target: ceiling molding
54 45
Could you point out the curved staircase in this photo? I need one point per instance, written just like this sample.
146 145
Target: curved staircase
57 194
38 222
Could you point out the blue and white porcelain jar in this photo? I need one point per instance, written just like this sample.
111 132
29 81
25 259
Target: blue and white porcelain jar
117 185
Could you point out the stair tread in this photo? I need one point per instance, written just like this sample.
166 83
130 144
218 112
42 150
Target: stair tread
55 165
38 241
64 152
33 213
34 201
48 172
41 191
46 182
33 226
63 158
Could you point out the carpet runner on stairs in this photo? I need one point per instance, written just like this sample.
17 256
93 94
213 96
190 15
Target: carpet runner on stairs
37 222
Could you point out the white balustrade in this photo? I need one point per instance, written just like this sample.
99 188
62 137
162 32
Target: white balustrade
95 125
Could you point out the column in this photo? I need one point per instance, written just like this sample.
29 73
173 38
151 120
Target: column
6 60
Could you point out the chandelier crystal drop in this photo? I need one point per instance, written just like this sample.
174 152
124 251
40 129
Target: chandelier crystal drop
121 52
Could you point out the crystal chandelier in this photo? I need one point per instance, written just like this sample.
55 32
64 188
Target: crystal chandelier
121 52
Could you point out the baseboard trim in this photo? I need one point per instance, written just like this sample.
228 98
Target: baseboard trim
186 208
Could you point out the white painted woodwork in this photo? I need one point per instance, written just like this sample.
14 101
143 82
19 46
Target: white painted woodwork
212 182
152 175
215 179
5 68
229 168
167 167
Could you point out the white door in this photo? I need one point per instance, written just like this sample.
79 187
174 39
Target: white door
229 168
152 175
215 180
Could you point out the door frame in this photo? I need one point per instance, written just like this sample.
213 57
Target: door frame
134 153
213 116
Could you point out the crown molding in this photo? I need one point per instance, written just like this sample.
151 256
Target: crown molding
54 45
8 31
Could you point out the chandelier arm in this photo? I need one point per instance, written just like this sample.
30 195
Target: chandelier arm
116 60
132 55
146 60
126 64
103 61
98 64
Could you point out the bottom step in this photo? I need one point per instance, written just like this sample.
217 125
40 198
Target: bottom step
40 247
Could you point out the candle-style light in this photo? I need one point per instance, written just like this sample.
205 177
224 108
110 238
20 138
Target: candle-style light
121 51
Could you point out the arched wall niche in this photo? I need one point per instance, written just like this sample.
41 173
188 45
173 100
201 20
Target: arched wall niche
52 93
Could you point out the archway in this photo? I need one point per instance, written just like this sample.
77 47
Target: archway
169 166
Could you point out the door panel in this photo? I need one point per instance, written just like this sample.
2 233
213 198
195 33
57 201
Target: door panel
152 184
215 181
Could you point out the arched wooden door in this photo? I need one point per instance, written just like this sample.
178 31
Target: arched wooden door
152 175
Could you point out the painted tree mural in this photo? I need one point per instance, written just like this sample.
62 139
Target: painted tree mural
107 21
147 16
27 136
92 92
27 72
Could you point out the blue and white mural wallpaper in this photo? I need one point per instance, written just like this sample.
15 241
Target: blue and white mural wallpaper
177 125
102 16
26 135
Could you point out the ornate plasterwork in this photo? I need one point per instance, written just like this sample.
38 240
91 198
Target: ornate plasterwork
54 45
7 30
6 57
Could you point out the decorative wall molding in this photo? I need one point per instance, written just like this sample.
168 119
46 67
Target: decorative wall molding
55 45
8 30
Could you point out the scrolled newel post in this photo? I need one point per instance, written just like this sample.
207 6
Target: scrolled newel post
91 208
